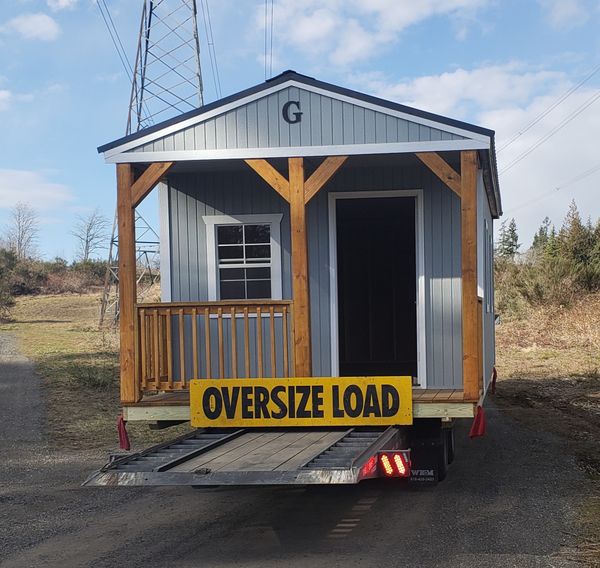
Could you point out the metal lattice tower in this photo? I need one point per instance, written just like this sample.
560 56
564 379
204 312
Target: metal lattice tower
167 81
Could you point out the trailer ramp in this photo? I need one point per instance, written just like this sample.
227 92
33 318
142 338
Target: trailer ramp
254 457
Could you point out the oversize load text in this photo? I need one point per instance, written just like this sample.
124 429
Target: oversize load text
225 403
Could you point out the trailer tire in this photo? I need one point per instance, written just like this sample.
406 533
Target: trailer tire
449 433
443 456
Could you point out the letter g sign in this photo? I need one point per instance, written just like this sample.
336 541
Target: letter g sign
285 111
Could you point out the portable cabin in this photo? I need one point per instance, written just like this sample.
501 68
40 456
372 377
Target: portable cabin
310 230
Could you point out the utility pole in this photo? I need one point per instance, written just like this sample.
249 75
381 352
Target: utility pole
166 81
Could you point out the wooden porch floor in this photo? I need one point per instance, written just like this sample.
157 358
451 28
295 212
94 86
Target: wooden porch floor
182 398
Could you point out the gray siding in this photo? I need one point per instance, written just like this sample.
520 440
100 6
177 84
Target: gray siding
325 122
486 276
193 195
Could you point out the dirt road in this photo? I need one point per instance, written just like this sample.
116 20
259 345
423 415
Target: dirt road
510 499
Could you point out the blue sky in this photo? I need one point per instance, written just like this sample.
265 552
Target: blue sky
496 63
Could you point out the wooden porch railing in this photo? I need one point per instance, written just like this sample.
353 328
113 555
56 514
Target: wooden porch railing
176 342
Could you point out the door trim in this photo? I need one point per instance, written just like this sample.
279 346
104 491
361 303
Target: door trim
420 272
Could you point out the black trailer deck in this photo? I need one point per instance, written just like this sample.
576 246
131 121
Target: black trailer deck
255 457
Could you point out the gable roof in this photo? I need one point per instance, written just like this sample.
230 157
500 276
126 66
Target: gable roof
334 121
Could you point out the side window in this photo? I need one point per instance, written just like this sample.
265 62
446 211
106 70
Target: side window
244 261
243 257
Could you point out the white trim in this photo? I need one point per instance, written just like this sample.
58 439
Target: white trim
273 219
420 269
171 129
164 212
297 151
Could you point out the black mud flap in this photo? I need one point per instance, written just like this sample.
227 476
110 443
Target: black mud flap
430 447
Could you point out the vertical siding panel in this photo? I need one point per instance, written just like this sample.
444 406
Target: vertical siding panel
199 137
457 291
380 128
252 122
192 232
221 132
347 123
242 127
231 140
305 125
169 143
391 129
273 118
402 131
314 271
326 122
284 127
337 122
189 141
413 132
436 283
184 283
262 123
211 135
424 133
435 134
178 141
447 335
294 128
359 124
370 137
175 247
315 119
446 136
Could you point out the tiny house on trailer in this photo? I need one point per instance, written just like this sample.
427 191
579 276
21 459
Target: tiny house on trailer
308 230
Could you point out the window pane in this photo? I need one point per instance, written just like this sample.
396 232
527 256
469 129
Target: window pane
258 273
257 233
229 235
231 253
232 273
258 289
232 290
258 251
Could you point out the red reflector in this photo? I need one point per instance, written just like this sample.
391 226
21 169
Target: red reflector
394 464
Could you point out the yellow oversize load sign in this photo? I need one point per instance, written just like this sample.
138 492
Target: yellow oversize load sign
337 401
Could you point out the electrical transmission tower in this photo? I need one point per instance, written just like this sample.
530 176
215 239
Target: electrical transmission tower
166 81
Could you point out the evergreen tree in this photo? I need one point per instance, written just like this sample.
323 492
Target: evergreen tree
508 240
540 239
575 238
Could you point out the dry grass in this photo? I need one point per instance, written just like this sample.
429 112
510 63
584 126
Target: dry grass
79 365
549 369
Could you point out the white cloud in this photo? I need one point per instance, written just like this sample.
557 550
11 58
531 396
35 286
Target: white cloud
34 26
566 14
31 187
5 99
347 31
506 98
56 5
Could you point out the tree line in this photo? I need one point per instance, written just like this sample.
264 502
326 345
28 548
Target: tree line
561 264
23 272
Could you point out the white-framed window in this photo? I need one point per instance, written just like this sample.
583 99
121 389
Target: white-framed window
243 257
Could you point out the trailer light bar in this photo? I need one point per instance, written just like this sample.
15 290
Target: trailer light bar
394 464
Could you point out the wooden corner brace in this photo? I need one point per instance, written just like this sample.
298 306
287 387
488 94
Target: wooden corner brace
442 170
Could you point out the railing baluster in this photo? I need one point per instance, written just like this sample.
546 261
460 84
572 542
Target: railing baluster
195 343
182 347
272 332
286 357
143 350
156 348
221 342
247 343
207 332
233 344
259 338
169 350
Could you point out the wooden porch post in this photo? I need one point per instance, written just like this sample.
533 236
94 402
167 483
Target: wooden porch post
127 282
300 284
470 306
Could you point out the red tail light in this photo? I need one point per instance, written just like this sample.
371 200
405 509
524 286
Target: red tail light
394 464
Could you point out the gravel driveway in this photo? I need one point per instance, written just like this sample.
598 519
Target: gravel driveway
511 499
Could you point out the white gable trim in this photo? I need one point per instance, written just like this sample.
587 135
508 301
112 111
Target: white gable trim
193 121
298 151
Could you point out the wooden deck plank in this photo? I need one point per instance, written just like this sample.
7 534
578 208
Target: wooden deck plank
314 449
442 395
268 456
202 459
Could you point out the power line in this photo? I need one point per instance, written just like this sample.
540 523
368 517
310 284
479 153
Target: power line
114 36
548 110
211 47
552 132
568 183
